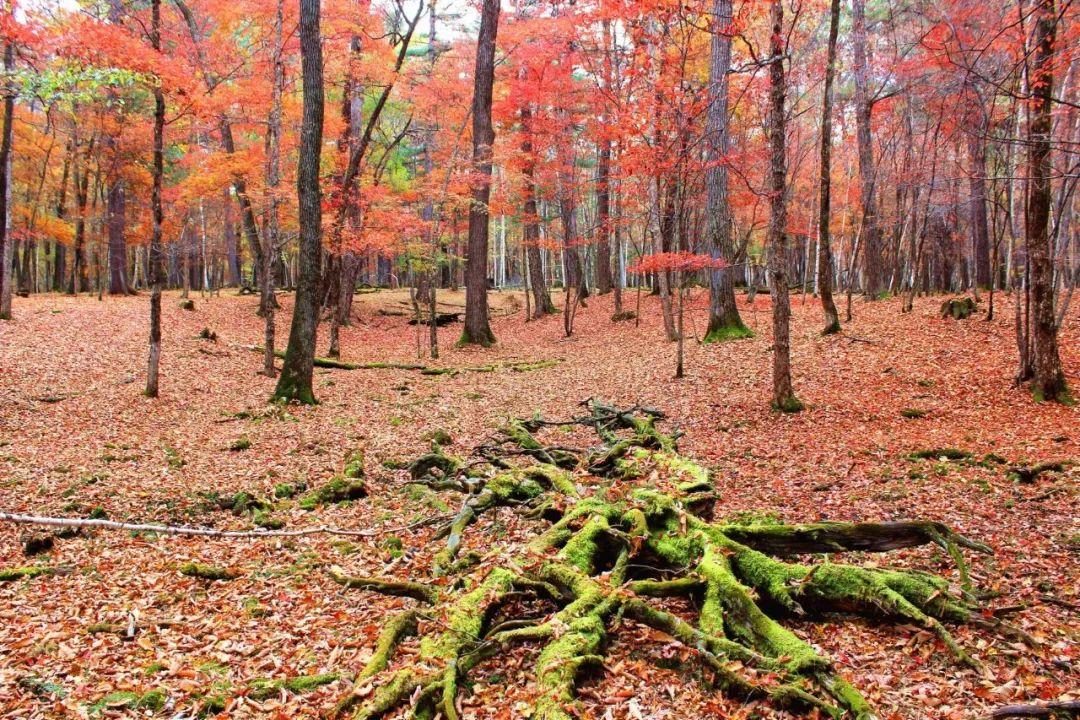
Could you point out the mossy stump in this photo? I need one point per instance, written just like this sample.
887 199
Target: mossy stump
616 526
958 308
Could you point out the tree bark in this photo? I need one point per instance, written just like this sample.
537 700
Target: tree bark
157 215
724 319
273 183
542 304
603 218
477 321
7 242
871 231
1049 378
825 260
296 372
980 233
783 395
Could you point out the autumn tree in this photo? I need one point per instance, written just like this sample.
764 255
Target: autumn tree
477 318
1049 377
783 395
724 320
294 383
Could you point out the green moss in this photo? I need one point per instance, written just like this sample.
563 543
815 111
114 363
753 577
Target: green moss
42 688
753 517
338 490
98 513
263 688
561 661
240 444
154 700
264 520
254 608
724 333
533 365
354 465
790 405
154 668
393 546
207 572
439 437
18 573
913 413
285 491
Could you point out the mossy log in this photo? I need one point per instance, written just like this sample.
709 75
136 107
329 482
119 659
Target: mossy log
616 526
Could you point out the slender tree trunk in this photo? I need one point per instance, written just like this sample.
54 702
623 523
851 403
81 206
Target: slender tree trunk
603 217
157 215
724 319
232 255
825 260
1049 378
273 182
118 262
980 234
783 395
542 304
296 371
871 231
477 321
7 241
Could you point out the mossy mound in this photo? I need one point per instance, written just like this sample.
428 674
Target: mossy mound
338 490
617 526
208 572
958 308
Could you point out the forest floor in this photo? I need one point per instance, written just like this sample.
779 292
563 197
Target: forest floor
77 437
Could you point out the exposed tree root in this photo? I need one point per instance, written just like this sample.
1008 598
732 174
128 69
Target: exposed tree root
624 523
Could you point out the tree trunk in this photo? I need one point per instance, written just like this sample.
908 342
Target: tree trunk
273 183
724 320
7 242
477 321
157 215
825 261
980 233
296 371
1049 379
603 215
118 284
542 304
871 232
783 396
232 256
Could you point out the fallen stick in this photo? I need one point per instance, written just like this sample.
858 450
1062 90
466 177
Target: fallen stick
204 532
331 363
1066 708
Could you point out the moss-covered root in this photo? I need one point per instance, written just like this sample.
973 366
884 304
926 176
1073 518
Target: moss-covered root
561 661
208 572
264 688
516 485
398 628
28 571
449 653
401 588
